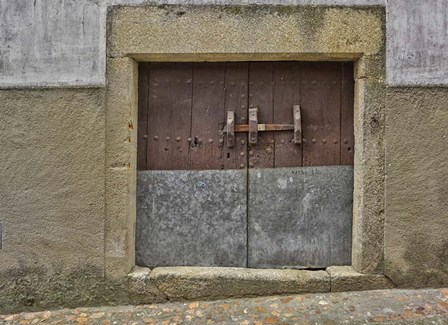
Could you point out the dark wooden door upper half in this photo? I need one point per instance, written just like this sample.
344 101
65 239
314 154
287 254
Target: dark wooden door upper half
183 110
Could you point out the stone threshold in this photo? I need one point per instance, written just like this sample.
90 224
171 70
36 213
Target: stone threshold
190 283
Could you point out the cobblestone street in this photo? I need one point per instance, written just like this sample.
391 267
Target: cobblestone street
368 307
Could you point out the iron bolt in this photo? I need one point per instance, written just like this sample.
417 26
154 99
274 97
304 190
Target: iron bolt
145 136
242 153
251 153
167 138
178 139
221 140
345 141
335 141
210 140
242 166
199 141
156 137
324 141
314 141
189 140
251 164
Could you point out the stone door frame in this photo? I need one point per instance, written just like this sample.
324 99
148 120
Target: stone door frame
244 33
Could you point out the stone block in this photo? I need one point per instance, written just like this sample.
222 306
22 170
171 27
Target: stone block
142 288
183 283
345 278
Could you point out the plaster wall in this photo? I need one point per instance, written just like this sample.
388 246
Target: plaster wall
63 43
416 224
52 177
52 43
417 46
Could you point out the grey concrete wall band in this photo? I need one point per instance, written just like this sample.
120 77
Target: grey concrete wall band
417 42
62 44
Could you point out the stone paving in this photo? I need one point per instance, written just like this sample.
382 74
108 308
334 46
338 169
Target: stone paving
368 307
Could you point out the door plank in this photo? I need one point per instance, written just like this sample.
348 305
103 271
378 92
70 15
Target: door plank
261 155
142 137
169 115
321 97
286 90
236 91
347 105
207 115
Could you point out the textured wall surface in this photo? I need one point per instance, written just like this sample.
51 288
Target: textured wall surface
416 224
52 178
417 46
63 43
51 43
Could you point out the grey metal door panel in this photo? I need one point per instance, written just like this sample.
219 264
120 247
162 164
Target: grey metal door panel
191 218
300 217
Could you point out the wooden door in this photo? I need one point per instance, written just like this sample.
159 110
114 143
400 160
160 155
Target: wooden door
275 203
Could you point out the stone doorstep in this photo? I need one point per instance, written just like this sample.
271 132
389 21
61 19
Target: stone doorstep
188 283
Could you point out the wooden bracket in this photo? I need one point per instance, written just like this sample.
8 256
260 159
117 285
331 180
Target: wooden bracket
230 129
297 125
253 125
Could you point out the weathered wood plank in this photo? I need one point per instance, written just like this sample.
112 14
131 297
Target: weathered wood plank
286 91
169 115
142 136
207 115
320 102
236 91
260 95
347 110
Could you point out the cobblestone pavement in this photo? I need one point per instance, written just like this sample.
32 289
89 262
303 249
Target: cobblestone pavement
368 307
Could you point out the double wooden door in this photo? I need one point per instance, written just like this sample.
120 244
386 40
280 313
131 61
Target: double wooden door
279 198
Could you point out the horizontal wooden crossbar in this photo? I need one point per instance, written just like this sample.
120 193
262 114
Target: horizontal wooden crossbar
265 127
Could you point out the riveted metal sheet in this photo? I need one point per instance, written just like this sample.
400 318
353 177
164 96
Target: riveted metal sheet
191 218
300 217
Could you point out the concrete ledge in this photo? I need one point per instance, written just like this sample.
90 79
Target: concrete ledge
141 286
185 283
345 278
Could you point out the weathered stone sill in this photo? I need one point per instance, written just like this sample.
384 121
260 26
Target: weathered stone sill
188 283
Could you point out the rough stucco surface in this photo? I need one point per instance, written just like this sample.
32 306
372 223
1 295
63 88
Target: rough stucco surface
52 177
416 224
52 195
